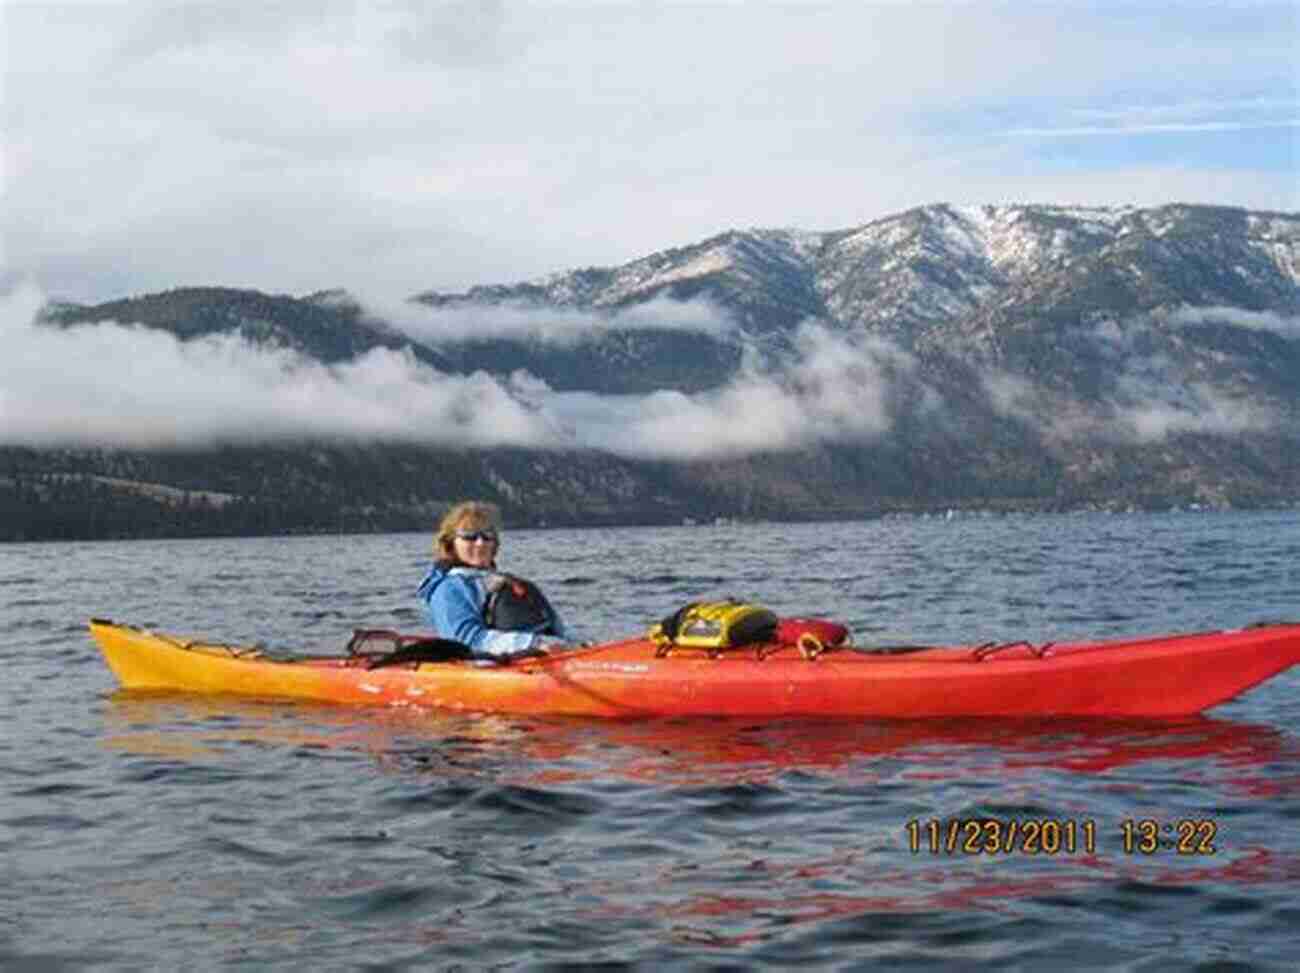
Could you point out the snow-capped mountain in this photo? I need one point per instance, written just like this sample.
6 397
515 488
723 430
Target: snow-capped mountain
1012 356
944 263
970 280
991 284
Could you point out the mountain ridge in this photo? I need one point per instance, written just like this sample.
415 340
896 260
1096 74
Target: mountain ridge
1016 356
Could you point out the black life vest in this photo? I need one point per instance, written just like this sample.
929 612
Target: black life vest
517 605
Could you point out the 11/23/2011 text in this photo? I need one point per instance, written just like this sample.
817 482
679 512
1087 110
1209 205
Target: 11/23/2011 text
1059 836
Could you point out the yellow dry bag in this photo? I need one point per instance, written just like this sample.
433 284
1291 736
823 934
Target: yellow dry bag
714 625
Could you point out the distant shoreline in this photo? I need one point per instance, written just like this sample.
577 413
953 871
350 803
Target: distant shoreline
11 534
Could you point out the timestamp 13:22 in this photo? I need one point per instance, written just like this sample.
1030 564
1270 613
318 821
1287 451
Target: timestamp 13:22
1059 836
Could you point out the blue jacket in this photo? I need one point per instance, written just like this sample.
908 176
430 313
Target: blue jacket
454 599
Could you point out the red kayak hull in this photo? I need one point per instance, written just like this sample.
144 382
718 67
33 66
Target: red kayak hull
1171 675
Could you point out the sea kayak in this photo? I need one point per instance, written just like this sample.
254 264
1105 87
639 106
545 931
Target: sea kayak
1170 675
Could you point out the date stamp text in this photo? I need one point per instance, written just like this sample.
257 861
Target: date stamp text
994 836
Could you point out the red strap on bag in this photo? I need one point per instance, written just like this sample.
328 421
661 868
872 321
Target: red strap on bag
829 634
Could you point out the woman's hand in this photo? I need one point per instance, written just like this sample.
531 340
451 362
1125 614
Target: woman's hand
543 647
550 644
532 652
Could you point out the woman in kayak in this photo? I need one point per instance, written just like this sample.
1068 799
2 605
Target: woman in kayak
465 598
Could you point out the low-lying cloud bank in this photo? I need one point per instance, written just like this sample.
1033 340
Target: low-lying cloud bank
127 386
1152 397
124 385
834 390
433 325
1288 326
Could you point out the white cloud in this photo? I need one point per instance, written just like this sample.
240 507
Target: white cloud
552 325
1148 128
398 146
1288 326
1203 409
1152 398
835 389
118 384
115 384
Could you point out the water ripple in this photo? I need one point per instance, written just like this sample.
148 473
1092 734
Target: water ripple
224 833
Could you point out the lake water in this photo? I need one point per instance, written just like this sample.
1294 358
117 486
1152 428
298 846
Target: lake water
165 832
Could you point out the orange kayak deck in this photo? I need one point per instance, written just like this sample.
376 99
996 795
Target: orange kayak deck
1171 675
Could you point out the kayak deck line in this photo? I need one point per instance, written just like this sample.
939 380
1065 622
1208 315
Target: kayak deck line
1164 675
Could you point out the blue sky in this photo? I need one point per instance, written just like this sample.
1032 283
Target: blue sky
396 147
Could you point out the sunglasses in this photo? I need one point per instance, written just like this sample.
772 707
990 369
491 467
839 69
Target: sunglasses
490 536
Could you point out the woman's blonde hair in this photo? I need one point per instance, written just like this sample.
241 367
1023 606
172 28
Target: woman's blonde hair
466 515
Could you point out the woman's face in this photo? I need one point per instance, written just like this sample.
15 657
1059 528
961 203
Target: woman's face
476 546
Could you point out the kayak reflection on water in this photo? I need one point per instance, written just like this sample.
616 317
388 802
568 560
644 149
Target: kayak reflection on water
689 752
